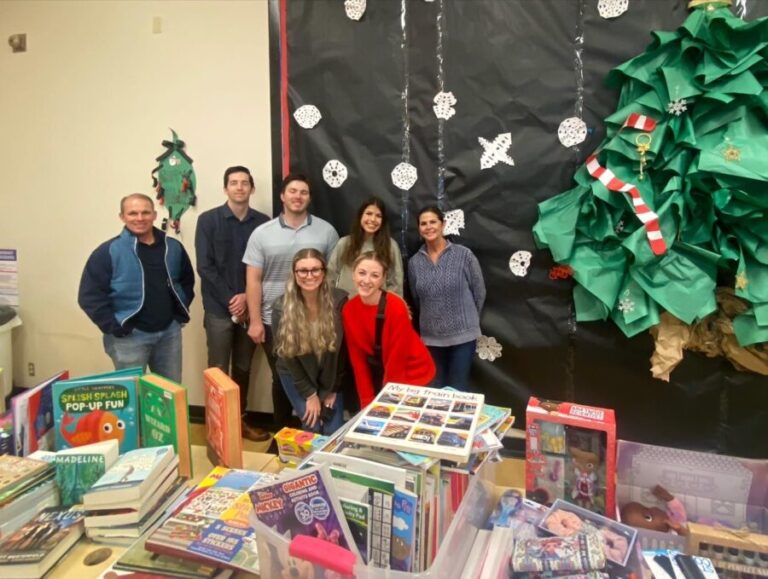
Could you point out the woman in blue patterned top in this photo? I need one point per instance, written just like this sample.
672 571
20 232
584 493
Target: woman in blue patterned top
448 290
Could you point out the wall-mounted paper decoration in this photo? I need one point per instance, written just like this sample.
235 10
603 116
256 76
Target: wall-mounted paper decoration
454 220
404 176
335 173
496 150
520 262
612 8
174 181
354 8
443 107
572 131
307 116
488 348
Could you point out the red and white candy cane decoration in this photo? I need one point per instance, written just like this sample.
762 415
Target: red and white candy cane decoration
649 219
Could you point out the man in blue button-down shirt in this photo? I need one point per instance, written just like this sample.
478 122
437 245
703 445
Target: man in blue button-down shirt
220 240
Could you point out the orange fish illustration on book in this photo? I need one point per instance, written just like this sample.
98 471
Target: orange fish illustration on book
95 426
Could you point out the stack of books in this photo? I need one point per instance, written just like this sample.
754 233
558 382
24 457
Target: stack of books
133 494
26 485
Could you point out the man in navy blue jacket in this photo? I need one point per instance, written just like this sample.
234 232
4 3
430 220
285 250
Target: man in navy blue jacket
137 288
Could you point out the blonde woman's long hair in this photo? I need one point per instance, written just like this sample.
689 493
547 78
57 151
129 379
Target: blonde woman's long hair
293 336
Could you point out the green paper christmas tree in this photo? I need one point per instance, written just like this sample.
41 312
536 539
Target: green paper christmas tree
174 181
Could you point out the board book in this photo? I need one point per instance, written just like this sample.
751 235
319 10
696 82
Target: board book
92 409
222 419
428 421
32 413
165 417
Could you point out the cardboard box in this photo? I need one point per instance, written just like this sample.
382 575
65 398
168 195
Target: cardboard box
294 445
570 454
730 550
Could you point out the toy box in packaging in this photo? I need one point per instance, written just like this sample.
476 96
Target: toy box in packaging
295 445
570 454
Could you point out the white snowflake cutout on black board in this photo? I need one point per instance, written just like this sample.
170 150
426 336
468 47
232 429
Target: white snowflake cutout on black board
404 176
496 150
443 107
454 220
520 262
488 348
307 116
334 173
612 8
354 9
572 131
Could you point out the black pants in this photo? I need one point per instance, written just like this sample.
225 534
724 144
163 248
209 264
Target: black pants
280 401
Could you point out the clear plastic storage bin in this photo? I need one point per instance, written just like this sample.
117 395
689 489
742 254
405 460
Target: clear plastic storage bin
280 557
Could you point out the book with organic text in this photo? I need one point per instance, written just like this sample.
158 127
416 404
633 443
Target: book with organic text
88 410
133 476
33 417
165 417
222 419
35 547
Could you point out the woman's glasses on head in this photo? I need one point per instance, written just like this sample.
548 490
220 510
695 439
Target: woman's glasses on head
314 272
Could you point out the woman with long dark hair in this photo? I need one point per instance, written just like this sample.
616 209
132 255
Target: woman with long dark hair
308 331
369 232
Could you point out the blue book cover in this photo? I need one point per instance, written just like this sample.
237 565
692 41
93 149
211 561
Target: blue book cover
135 466
404 507
88 410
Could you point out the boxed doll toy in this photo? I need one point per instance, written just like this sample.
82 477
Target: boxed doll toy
570 454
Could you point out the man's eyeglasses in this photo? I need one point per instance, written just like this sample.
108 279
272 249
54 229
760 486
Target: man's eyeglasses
314 272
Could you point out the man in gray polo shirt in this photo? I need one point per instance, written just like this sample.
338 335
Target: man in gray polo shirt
268 257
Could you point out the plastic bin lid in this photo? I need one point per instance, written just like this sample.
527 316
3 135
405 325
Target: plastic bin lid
7 313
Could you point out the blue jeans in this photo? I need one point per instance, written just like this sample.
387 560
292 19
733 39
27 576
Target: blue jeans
300 407
161 351
453 364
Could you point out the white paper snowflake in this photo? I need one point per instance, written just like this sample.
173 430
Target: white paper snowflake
677 107
404 176
520 262
354 9
488 348
307 116
572 131
496 150
443 107
454 220
334 173
612 8
626 304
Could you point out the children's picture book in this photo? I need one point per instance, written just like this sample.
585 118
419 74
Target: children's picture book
303 504
15 470
213 526
222 419
92 409
77 469
35 547
33 417
133 476
427 421
165 417
404 513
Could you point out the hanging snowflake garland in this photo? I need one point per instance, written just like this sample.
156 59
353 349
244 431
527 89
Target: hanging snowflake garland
520 262
612 8
404 176
354 9
443 107
307 116
496 151
677 107
454 220
334 173
488 348
572 131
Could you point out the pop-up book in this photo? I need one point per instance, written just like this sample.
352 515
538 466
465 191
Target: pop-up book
571 455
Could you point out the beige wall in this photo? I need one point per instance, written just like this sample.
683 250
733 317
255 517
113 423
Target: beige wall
82 116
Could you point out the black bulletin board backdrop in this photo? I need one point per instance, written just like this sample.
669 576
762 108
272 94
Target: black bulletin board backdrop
518 66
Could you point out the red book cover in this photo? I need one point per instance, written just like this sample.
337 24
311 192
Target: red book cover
222 419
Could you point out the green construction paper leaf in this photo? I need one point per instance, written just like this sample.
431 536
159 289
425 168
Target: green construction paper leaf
588 307
748 331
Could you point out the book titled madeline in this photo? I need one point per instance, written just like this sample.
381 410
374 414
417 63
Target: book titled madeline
428 421
96 408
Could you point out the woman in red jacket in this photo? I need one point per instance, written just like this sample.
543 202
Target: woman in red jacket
401 356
